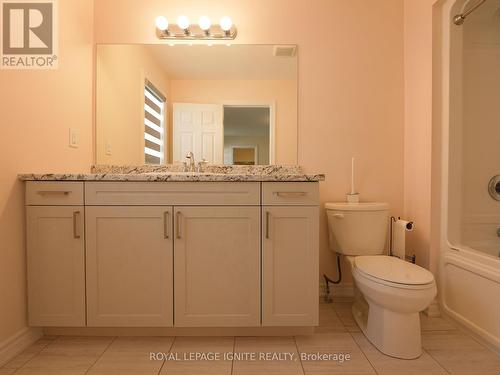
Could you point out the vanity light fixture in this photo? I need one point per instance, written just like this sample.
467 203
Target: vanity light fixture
205 23
161 23
204 30
226 23
183 23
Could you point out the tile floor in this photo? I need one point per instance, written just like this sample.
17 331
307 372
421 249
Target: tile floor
447 350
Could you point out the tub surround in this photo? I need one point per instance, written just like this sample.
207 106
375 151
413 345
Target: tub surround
174 173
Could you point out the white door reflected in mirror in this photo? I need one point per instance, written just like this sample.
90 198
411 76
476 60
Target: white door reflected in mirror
198 128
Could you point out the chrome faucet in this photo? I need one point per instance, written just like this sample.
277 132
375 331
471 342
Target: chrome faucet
200 165
192 164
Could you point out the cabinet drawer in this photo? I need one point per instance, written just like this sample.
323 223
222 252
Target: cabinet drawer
172 193
290 193
43 193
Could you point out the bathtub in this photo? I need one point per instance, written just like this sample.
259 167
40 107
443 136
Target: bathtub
469 263
470 291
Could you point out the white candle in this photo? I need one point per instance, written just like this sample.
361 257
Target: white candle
353 191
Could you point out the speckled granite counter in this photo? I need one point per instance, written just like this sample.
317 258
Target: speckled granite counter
211 173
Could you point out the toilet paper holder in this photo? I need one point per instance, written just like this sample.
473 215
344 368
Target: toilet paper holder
409 227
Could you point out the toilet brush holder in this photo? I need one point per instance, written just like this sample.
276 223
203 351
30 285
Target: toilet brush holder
353 198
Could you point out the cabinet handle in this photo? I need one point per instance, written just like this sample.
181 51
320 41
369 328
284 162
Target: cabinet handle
290 194
178 224
76 215
53 192
166 221
267 224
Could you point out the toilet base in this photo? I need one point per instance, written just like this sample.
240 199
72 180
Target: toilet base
394 334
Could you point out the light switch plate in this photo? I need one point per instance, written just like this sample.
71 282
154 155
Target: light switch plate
73 138
108 148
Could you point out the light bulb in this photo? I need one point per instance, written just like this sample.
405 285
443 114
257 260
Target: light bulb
183 22
161 23
204 23
226 23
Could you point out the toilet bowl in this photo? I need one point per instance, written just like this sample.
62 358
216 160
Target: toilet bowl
389 292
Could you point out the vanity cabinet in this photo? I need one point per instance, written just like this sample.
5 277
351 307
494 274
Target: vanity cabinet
290 266
181 254
290 227
129 266
55 255
217 266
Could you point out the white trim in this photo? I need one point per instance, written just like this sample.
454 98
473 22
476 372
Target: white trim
272 120
337 290
15 344
433 310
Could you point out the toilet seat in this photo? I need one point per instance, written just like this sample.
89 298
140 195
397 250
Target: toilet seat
394 272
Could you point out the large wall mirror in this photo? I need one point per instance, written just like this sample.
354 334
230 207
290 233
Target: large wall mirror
226 104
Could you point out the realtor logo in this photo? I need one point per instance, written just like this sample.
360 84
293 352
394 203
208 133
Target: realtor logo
29 34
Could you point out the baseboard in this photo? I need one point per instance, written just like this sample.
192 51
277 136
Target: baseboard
433 311
178 331
481 335
15 344
337 290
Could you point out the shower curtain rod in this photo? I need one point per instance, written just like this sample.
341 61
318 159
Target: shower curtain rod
459 19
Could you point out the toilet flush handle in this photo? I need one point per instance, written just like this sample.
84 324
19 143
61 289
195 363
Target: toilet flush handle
338 216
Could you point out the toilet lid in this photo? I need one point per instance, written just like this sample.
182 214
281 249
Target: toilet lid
393 269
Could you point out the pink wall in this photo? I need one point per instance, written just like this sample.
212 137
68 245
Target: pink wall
418 123
36 110
350 80
419 137
121 71
351 102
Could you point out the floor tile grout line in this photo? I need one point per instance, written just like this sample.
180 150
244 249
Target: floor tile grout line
476 339
169 351
234 348
364 354
17 368
437 362
298 352
464 332
339 318
37 354
102 354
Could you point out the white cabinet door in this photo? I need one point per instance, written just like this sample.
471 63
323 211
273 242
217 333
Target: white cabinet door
290 294
56 266
129 266
217 266
198 128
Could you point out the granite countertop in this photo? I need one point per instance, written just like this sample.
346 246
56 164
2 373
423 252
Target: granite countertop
174 173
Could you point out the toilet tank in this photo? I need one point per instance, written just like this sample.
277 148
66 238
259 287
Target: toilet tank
357 229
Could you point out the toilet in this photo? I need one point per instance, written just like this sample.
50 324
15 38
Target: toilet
389 292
